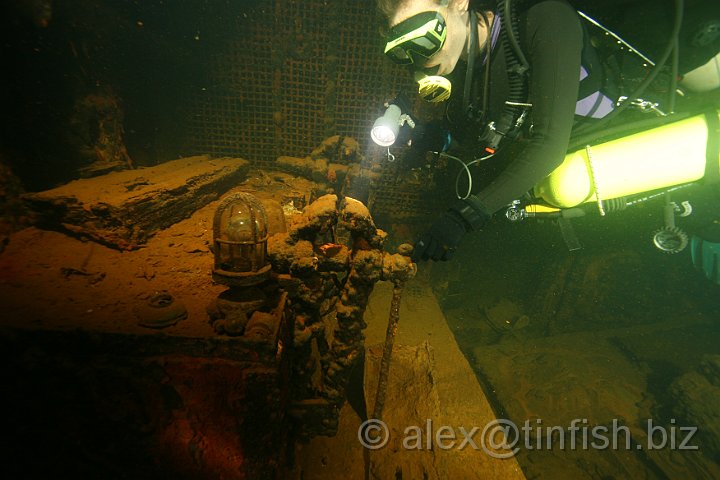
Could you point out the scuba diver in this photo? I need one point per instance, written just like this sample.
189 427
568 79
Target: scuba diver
531 78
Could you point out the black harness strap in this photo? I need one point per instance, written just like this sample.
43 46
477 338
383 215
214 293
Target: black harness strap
712 152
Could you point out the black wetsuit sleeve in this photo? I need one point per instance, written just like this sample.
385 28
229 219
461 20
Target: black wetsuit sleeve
553 48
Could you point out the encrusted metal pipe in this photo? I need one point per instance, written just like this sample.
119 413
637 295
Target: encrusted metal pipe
392 328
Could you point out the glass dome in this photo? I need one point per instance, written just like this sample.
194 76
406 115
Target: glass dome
240 236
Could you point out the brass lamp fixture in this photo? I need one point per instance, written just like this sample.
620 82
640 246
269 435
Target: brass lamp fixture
240 236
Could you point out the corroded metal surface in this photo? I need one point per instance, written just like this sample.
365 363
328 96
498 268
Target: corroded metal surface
330 259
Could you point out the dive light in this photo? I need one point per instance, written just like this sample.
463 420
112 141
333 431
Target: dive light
386 128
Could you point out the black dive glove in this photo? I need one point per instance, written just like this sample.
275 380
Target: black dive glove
443 237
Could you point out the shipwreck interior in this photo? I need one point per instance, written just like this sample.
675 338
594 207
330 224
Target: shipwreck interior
205 266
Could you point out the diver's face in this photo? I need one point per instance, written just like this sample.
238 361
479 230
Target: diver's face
456 19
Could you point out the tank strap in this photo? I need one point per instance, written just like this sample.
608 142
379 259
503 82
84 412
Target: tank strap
712 152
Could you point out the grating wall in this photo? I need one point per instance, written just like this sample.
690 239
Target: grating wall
294 73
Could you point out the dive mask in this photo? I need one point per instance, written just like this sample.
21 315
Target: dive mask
420 35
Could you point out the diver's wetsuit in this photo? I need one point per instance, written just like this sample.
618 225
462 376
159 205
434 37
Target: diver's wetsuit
552 41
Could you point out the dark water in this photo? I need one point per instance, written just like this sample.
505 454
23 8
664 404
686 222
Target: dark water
614 332
153 56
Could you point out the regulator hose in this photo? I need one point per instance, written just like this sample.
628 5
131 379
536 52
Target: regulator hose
587 128
518 68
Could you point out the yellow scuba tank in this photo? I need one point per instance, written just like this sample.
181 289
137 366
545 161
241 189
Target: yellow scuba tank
669 155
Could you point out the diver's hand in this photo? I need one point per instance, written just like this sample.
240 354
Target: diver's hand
442 239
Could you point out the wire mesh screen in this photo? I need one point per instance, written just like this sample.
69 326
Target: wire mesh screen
295 73
234 114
